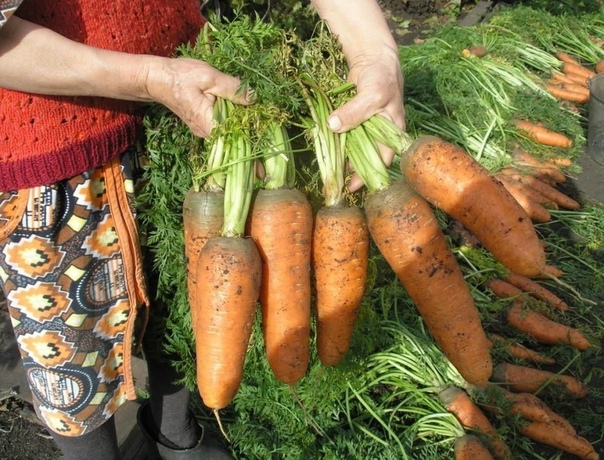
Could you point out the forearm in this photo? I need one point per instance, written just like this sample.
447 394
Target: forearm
37 60
359 25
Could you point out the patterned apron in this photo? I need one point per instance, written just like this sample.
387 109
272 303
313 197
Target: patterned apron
70 267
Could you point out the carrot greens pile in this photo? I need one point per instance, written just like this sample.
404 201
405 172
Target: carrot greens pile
398 383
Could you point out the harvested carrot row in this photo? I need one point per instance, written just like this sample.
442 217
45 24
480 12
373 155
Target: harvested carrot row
530 380
549 192
577 69
541 170
459 403
543 135
453 181
469 447
554 435
529 199
519 351
536 290
543 329
568 92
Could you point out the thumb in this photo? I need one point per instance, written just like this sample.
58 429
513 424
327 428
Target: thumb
349 116
232 89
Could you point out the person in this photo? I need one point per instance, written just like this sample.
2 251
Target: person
74 75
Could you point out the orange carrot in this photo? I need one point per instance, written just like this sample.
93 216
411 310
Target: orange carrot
280 223
453 181
529 199
340 257
550 272
563 200
543 135
519 351
228 274
565 57
503 289
552 434
536 290
577 69
561 77
549 192
408 235
499 401
530 380
568 92
467 412
600 66
538 168
202 219
579 80
469 447
543 329
559 162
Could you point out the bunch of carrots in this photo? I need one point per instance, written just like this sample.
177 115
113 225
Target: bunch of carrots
250 242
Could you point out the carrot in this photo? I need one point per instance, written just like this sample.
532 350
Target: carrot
552 434
280 223
407 233
340 260
529 199
577 69
519 351
538 168
469 447
550 272
476 51
503 289
549 192
499 401
340 249
536 290
530 380
559 162
453 181
202 219
580 80
543 135
228 274
565 57
568 92
600 66
467 412
563 200
561 77
543 329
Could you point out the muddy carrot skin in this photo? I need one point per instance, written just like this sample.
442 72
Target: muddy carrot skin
228 286
407 234
280 222
453 181
469 447
203 213
340 258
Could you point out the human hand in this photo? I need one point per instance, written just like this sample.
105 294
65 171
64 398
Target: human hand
379 82
189 87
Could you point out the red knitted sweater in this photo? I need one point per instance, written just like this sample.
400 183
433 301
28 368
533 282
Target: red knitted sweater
46 139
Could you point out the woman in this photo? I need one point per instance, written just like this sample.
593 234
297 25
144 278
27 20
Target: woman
72 76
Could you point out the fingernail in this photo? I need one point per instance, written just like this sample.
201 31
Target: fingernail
334 123
250 95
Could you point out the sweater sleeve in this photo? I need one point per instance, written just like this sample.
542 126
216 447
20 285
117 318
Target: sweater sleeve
7 8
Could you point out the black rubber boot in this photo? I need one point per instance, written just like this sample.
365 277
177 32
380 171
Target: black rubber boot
206 449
